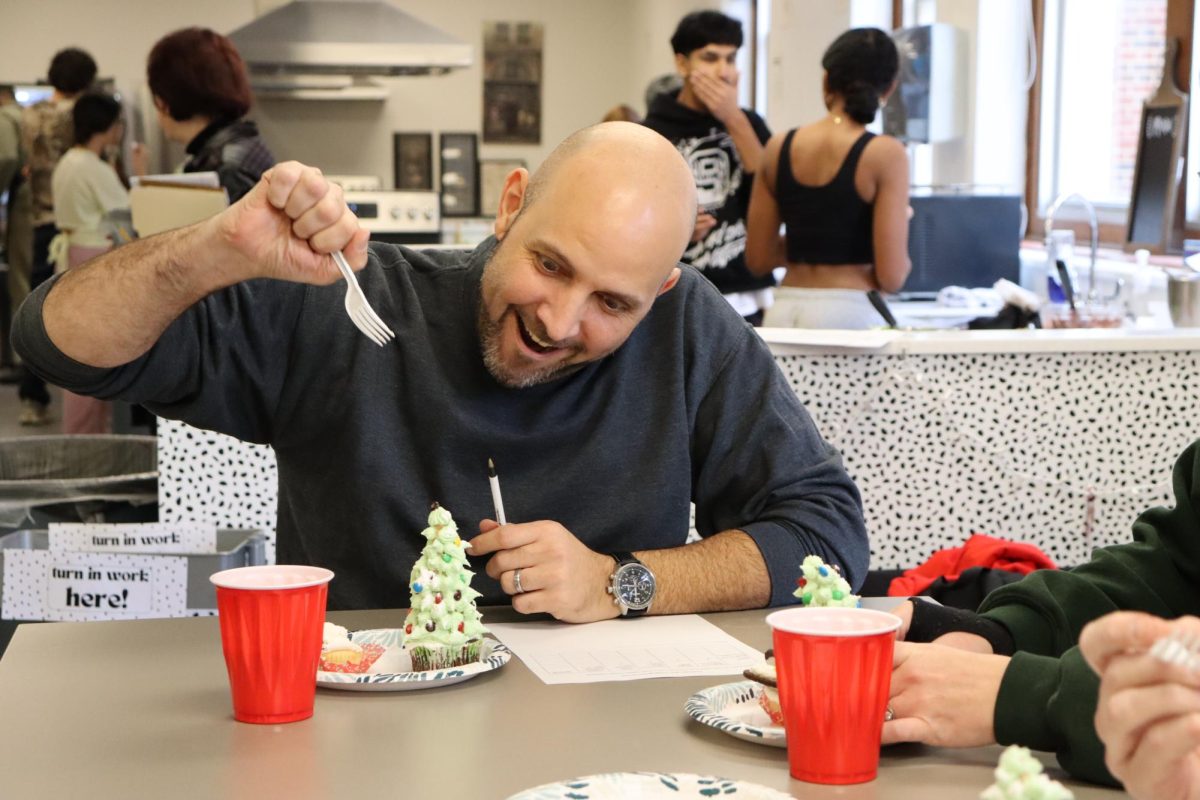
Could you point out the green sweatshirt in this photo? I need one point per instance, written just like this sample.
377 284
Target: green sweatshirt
1047 698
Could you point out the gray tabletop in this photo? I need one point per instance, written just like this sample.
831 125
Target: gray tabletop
142 709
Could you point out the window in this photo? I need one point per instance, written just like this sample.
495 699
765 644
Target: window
1101 59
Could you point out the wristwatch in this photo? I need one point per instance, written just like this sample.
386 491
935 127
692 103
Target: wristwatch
631 585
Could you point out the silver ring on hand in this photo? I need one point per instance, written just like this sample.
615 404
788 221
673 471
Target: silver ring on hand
889 714
517 588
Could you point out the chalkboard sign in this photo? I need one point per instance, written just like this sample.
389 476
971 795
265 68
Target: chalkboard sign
1153 204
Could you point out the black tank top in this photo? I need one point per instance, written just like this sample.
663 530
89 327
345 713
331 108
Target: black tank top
828 224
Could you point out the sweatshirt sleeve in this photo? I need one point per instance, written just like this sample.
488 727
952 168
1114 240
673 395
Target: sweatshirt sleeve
1048 695
762 467
1049 703
221 365
1158 572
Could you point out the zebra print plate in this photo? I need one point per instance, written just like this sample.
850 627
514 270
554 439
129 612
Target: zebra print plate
733 708
392 672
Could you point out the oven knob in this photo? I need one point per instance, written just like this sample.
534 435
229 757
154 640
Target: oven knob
429 213
397 213
412 213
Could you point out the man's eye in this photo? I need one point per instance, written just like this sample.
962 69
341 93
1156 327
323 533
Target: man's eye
549 265
612 304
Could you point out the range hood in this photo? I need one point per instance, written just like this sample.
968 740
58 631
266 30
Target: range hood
297 47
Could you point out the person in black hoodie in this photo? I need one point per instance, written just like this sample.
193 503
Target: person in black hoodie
723 145
202 93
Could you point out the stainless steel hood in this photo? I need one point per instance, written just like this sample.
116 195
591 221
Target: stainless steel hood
345 37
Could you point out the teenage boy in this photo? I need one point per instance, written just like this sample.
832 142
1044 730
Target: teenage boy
723 144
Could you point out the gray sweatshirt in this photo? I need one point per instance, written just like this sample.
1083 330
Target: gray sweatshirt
691 408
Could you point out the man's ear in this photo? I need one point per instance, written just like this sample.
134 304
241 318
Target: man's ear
670 282
681 64
512 199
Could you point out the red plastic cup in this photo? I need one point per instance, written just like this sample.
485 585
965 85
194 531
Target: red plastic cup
834 667
271 623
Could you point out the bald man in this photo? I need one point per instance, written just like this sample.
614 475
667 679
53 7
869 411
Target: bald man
611 387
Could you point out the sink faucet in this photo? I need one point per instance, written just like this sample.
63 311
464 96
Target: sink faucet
1058 203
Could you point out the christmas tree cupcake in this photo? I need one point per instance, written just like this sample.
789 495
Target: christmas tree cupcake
443 627
1019 777
822 586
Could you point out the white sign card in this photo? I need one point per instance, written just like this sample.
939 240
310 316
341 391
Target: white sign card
147 537
65 586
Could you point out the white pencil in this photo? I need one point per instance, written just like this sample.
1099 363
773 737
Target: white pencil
496 499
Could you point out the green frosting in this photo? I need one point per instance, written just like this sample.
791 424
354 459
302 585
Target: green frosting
442 597
821 585
1019 777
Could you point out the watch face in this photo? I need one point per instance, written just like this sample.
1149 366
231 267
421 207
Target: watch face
635 585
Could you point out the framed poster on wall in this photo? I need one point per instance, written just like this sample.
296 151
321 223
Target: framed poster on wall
492 174
412 161
460 174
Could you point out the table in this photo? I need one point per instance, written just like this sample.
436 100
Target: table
141 709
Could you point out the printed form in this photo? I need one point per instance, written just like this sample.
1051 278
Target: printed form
626 649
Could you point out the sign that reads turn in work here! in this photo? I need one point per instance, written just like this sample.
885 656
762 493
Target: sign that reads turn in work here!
52 585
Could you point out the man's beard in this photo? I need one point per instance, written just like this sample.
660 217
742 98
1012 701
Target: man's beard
490 332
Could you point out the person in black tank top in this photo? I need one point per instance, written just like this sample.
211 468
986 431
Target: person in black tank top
842 194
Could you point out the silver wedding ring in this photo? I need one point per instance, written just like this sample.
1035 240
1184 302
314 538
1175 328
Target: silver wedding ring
517 582
889 715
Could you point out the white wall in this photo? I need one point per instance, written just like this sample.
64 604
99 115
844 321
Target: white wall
597 54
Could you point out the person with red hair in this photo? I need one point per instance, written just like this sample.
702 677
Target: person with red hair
202 95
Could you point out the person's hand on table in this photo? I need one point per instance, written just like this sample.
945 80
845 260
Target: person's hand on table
547 570
287 226
1148 712
943 696
705 222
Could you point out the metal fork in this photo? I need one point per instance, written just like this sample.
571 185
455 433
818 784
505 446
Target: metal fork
357 307
1178 648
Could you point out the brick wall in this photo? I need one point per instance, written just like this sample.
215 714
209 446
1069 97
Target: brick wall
1138 70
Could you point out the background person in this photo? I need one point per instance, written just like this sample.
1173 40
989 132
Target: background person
86 192
722 144
202 95
842 193
46 134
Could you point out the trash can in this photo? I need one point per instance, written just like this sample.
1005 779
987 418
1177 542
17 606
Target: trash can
97 478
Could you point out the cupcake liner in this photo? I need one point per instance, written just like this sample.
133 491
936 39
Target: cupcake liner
441 656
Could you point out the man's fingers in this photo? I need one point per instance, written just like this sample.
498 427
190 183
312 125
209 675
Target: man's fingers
906 729
1125 718
309 188
509 559
1117 633
281 179
532 579
337 236
1160 748
326 212
503 537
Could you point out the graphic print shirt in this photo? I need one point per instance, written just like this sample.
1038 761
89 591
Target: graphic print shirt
723 186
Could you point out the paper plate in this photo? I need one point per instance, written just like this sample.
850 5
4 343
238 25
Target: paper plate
647 785
393 672
733 708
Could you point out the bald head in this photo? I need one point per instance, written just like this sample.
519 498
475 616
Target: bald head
625 168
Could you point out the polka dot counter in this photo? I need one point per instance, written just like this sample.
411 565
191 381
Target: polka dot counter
1061 449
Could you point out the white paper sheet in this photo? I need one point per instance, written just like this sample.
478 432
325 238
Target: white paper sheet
625 649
